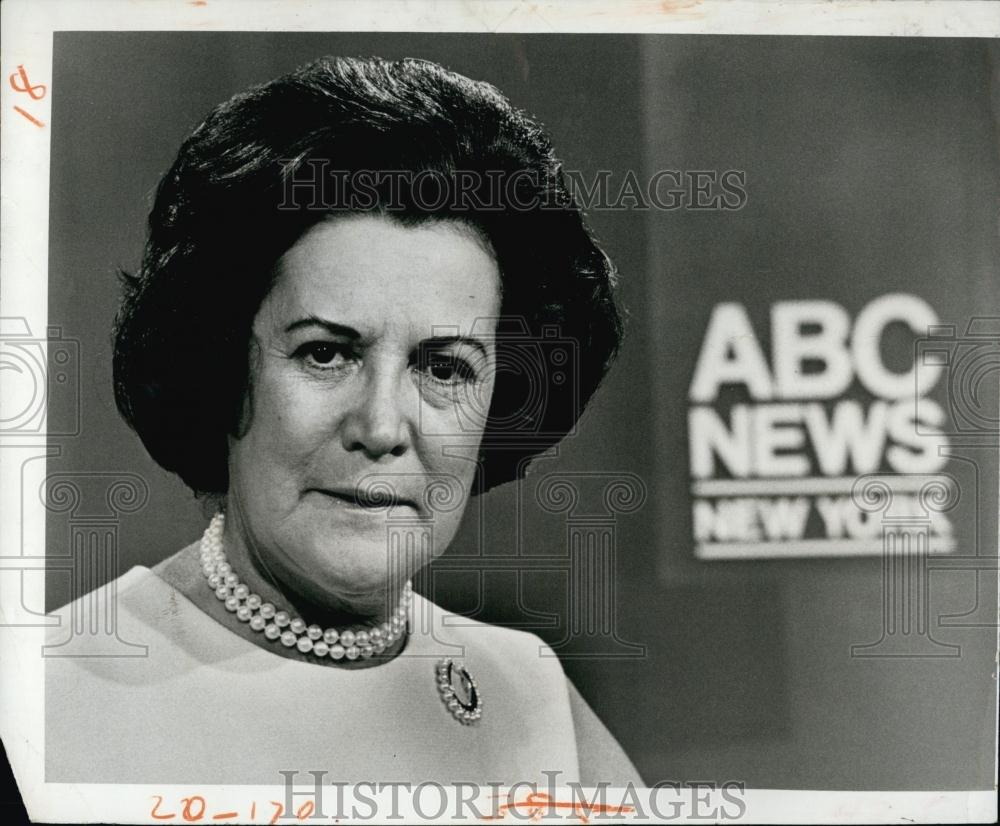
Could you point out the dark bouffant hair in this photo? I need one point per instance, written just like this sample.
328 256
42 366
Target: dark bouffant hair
225 212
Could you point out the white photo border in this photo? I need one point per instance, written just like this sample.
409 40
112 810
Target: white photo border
27 40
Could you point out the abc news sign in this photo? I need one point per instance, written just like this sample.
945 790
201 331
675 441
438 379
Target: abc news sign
772 472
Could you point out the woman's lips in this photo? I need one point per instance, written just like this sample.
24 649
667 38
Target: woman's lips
379 502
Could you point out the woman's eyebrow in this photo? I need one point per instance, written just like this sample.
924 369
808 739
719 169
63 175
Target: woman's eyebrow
433 343
330 326
440 342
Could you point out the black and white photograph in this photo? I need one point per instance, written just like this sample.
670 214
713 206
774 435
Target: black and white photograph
475 412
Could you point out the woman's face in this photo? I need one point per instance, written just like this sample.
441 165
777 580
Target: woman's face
371 364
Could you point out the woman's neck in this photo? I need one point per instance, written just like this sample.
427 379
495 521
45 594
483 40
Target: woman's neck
327 611
250 567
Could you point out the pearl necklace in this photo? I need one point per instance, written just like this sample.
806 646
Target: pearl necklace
351 643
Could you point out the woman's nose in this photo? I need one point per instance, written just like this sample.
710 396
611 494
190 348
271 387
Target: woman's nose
378 423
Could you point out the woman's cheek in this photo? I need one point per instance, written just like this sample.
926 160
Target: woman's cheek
310 418
300 414
448 449
460 414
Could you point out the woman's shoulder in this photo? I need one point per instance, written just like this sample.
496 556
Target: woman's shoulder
449 629
101 621
176 565
533 672
602 759
102 599
517 662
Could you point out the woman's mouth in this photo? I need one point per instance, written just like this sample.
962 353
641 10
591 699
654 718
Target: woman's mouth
378 501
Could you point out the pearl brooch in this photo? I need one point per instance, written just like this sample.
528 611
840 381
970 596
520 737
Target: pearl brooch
349 643
467 708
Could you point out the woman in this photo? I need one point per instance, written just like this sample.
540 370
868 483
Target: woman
341 266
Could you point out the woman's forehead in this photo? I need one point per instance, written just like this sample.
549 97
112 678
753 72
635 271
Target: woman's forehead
373 273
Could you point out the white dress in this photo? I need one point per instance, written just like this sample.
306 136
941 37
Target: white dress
207 706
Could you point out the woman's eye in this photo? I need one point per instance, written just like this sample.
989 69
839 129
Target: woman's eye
447 369
323 354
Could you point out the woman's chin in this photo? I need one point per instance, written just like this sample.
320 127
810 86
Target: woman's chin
360 579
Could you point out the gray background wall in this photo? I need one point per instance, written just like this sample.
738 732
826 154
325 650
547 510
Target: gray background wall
871 168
